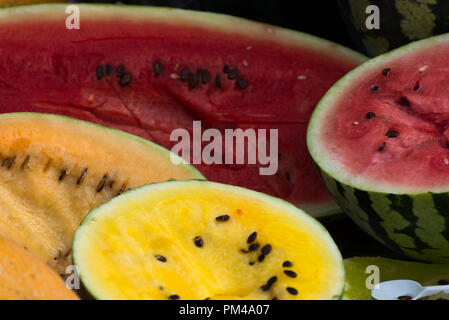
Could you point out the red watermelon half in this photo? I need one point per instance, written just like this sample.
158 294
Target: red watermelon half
381 139
258 76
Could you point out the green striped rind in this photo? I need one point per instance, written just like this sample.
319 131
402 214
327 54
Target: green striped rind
401 21
414 225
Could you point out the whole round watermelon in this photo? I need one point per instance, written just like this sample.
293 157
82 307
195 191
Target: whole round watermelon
401 21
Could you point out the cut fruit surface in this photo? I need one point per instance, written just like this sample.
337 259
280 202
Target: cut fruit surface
174 64
384 126
24 277
54 170
198 240
358 270
380 138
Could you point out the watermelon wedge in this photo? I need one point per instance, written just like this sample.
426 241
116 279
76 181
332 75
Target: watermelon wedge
175 67
381 139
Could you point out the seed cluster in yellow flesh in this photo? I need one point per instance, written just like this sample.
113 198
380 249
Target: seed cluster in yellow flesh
195 240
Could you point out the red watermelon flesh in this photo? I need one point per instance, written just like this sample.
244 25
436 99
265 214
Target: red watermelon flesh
390 131
45 67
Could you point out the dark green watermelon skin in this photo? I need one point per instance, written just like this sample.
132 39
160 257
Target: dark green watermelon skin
416 226
401 22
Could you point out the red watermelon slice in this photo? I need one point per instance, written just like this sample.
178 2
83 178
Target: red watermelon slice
274 78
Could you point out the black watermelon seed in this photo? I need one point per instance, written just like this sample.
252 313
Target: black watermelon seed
242 83
405 298
447 145
174 297
120 71
381 147
80 179
269 284
160 258
125 79
62 175
199 242
266 249
99 72
193 80
218 81
386 71
287 264
251 263
184 75
108 69
9 162
416 87
443 282
272 280
205 76
287 177
233 73
292 291
254 247
261 258
375 88
226 69
24 164
290 273
392 134
158 68
121 191
222 218
404 102
370 115
252 237
102 183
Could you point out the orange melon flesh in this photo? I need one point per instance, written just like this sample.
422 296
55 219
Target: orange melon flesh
25 277
54 170
118 247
